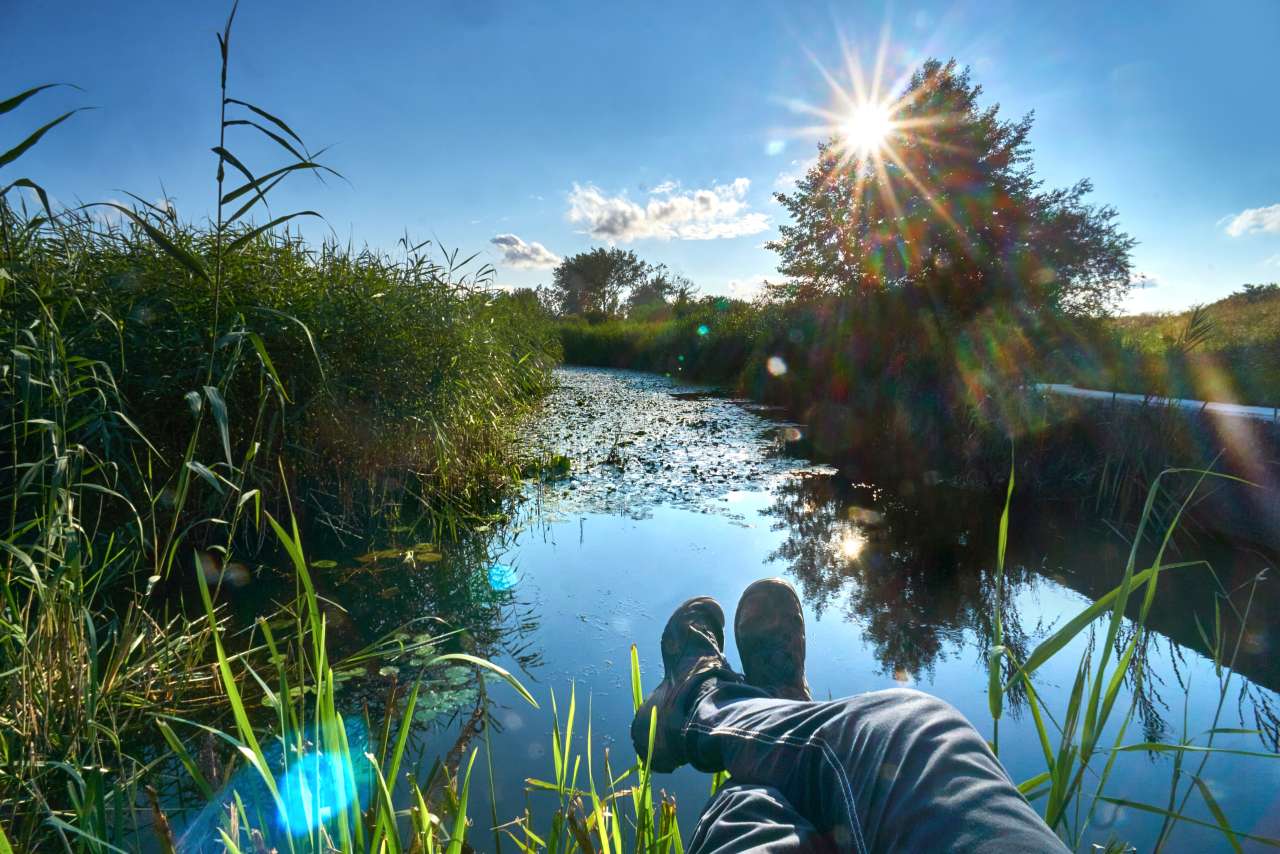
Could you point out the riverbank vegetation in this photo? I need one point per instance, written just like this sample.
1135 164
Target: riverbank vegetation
166 388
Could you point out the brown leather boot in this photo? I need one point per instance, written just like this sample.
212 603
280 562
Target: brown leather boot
769 627
692 652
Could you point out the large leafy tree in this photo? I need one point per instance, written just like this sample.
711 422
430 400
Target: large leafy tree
949 207
594 282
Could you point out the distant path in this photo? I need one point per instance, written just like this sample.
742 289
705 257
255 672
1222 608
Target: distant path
1260 413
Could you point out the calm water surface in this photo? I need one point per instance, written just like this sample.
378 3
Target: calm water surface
676 493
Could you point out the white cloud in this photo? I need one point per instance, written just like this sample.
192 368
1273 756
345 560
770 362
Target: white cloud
668 213
526 256
1255 220
1273 261
747 288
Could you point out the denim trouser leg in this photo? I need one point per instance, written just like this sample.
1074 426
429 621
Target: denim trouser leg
893 770
743 817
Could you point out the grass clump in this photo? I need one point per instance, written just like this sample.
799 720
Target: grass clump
312 779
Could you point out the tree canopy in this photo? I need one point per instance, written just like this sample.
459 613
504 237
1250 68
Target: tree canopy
595 281
949 205
602 282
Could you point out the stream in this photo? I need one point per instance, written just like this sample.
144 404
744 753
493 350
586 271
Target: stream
675 492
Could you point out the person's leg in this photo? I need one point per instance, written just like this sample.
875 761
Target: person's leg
894 770
886 771
742 817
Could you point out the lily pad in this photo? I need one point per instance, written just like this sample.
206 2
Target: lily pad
379 554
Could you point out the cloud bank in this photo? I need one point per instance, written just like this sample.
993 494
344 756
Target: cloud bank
668 214
1255 221
524 256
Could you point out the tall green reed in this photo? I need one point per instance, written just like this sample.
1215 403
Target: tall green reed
1071 786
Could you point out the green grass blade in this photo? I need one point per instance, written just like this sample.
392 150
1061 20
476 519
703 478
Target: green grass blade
10 104
24 146
189 763
1053 644
1157 747
159 238
1218 815
250 235
1161 811
502 673
460 820
637 693
275 121
219 408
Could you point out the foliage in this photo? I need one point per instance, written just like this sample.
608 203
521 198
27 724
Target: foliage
594 282
332 783
661 296
952 209
1259 292
1234 357
710 338
593 285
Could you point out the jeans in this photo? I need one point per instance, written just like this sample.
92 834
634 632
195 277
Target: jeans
886 771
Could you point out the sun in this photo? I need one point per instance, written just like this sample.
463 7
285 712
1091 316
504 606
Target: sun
868 127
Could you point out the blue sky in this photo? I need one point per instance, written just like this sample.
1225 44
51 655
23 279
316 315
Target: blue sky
662 127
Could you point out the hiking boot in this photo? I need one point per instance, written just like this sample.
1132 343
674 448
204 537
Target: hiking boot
692 652
769 627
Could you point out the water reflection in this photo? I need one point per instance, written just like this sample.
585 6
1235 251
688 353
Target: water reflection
917 576
916 579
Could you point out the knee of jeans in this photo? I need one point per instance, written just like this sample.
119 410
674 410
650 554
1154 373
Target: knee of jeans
918 706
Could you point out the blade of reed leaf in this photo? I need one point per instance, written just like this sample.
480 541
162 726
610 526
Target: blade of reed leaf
275 121
10 104
184 756
34 187
1139 805
460 820
219 408
637 694
281 141
502 673
22 147
249 235
1218 815
1059 639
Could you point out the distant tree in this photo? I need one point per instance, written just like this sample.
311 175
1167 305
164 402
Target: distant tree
1256 292
593 283
659 292
952 207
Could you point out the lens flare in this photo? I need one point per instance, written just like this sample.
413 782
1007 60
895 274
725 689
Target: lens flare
776 366
502 577
868 127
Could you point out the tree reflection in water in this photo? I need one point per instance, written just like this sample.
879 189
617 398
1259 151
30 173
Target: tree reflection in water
916 571
917 578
